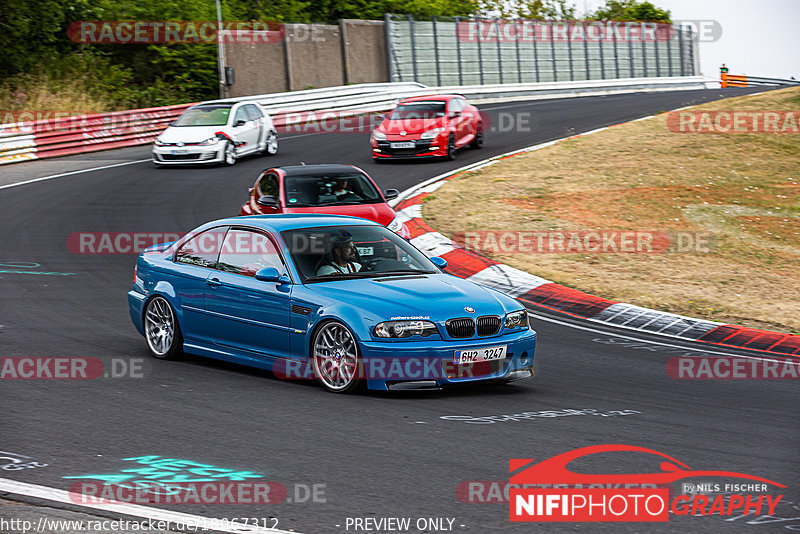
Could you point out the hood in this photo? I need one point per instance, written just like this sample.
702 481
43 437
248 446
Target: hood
380 212
189 134
437 296
411 126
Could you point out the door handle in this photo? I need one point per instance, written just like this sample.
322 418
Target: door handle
213 282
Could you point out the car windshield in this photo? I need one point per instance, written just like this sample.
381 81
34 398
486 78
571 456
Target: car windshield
343 252
418 110
334 189
208 115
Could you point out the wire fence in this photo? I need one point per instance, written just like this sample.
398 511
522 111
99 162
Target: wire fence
456 51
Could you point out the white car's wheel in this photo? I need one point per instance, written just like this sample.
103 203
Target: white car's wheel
229 155
271 144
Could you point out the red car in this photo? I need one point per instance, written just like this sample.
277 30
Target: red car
428 126
332 189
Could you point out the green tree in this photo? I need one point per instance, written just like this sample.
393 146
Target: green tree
631 10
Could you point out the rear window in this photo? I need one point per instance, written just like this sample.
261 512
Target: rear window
209 115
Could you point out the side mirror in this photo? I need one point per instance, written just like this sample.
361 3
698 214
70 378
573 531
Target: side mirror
455 114
271 274
268 201
391 194
238 123
439 262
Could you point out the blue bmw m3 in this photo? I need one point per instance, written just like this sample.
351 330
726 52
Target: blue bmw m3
340 300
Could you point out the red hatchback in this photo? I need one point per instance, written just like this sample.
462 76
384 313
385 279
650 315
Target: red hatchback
428 126
332 189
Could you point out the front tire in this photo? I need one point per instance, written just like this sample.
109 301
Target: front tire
336 359
271 144
229 155
161 330
452 152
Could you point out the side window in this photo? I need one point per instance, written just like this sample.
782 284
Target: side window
245 252
241 115
202 250
253 112
268 186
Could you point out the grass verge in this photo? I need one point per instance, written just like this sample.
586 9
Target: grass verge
742 190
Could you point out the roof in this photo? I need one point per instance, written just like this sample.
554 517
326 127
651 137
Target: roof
292 221
430 97
324 168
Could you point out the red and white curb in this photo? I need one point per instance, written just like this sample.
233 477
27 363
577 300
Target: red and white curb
538 292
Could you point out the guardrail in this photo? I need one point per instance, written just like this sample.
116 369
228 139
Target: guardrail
740 80
101 131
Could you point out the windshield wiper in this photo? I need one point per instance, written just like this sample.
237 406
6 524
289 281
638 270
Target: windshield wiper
399 272
338 276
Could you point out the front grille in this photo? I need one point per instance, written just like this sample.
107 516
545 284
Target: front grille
176 157
460 328
471 370
420 147
488 325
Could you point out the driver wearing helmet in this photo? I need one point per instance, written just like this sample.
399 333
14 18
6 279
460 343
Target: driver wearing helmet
342 258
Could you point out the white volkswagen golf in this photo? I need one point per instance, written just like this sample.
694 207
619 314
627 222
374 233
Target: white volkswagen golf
216 132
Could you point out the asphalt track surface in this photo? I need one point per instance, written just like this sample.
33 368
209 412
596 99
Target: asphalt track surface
378 455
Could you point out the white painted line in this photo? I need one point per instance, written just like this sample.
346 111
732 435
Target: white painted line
688 349
74 172
135 510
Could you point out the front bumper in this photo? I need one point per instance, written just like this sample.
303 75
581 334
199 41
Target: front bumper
429 364
173 155
423 148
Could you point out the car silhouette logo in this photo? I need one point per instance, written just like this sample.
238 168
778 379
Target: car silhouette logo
554 470
469 309
403 132
179 144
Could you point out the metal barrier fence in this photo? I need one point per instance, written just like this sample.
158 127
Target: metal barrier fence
455 51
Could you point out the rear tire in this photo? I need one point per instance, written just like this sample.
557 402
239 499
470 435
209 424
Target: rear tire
478 141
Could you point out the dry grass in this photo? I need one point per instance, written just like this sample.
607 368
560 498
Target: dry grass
43 93
743 188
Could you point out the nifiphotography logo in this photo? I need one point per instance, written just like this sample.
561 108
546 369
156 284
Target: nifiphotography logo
645 497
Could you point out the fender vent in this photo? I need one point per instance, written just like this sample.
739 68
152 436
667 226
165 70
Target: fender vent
302 310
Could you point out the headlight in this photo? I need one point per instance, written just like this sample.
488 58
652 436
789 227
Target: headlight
210 141
405 329
159 142
430 134
517 318
378 136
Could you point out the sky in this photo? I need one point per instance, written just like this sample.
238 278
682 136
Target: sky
759 38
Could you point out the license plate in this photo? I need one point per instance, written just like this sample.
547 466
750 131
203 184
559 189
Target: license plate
403 145
480 355
179 151
365 251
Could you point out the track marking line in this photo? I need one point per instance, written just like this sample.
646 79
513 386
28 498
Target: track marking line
135 510
74 172
683 347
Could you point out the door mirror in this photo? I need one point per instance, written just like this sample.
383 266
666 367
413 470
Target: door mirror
439 262
240 122
268 201
271 274
391 194
455 114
